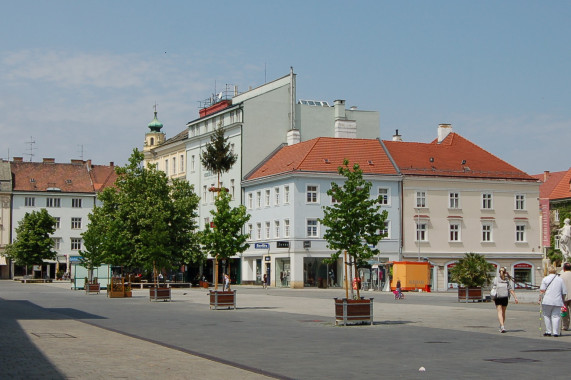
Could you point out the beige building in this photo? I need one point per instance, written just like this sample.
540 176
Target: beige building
5 216
459 198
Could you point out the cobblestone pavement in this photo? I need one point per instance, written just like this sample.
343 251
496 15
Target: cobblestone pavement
51 332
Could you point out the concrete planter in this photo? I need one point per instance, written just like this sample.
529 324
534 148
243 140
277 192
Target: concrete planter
354 311
225 299
473 294
92 288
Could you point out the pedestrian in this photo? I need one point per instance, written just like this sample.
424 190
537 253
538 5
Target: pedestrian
265 282
226 282
552 294
503 291
566 277
331 277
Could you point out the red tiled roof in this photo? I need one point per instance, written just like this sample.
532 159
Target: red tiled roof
455 156
102 176
557 185
326 154
40 176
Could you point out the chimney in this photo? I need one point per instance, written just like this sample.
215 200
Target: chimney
49 160
76 162
111 164
396 136
443 131
293 136
339 109
18 159
545 175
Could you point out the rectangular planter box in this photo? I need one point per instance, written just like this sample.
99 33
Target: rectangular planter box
226 299
156 294
347 310
92 288
470 294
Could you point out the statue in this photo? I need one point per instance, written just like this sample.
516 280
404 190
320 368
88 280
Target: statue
565 240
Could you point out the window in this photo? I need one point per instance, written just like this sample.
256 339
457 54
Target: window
454 200
212 193
76 202
192 163
277 228
556 215
53 202
487 232
455 231
311 194
250 201
29 201
384 195
286 194
277 196
75 223
520 233
181 163
167 167
520 202
259 231
57 243
57 222
421 231
250 230
267 230
232 117
75 244
386 231
487 201
232 188
421 199
312 227
267 199
259 199
204 194
206 222
286 227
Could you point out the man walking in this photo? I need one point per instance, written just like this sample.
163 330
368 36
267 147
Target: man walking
566 277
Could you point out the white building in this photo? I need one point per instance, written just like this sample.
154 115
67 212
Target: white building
459 198
285 197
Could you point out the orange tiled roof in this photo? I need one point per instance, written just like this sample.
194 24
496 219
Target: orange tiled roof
455 156
40 176
326 154
557 185
102 176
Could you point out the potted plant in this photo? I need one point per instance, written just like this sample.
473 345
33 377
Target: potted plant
223 240
353 225
472 272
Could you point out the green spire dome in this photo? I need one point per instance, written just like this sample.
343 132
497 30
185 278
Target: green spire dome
155 125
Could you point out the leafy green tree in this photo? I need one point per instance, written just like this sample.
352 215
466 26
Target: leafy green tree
225 238
145 221
218 156
473 270
33 243
355 221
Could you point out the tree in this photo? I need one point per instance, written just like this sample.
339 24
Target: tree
473 270
355 222
218 156
225 238
33 243
144 220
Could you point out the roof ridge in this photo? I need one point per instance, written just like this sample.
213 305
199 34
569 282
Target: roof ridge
313 144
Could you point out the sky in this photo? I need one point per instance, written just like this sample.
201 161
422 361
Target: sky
79 79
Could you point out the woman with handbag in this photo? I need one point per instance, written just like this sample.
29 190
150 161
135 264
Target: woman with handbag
552 296
503 289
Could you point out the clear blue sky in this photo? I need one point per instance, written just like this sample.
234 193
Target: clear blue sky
82 76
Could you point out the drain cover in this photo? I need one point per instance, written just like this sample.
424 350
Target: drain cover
53 335
513 360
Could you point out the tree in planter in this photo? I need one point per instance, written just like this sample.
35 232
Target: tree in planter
145 221
225 238
472 271
355 221
33 243
218 158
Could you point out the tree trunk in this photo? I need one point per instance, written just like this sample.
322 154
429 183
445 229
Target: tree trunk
358 282
351 276
346 281
216 273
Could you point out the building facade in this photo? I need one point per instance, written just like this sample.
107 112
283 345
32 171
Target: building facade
5 216
458 198
285 197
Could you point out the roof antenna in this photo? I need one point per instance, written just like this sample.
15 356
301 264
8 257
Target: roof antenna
31 148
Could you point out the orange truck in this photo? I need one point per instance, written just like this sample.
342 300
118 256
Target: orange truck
413 275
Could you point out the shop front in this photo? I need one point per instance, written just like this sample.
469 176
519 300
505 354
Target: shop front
315 272
283 272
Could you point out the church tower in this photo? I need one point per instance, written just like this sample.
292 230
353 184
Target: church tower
154 137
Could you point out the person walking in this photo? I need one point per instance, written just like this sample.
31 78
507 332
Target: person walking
552 294
226 282
265 281
503 291
566 277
